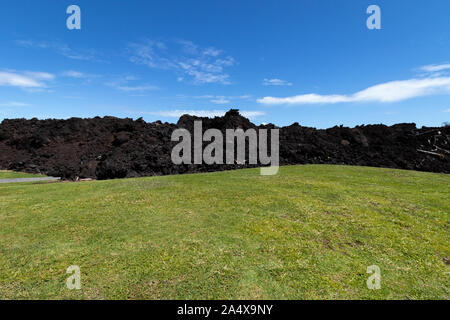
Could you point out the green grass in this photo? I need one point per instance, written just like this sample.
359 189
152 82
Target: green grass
309 232
4 174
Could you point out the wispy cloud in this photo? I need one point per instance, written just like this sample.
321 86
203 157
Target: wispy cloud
74 74
220 100
393 91
62 49
253 114
127 84
25 79
223 99
137 88
14 104
189 61
435 67
276 82
447 110
199 113
39 75
213 52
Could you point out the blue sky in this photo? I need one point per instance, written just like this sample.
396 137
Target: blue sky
314 62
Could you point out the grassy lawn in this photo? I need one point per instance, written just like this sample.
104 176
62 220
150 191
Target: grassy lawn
4 174
309 232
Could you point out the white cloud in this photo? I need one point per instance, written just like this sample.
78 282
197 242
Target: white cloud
186 59
74 74
220 100
131 78
14 104
201 113
276 82
87 78
435 67
187 46
252 114
62 49
122 83
448 110
40 75
17 80
402 90
137 88
223 99
179 113
205 96
25 80
393 91
212 52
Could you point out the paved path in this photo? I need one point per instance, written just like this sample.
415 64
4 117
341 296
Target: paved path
28 179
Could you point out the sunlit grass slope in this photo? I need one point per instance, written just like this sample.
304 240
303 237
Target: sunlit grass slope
309 232
4 174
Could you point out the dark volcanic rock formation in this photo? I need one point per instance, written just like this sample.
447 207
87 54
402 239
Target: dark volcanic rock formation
106 148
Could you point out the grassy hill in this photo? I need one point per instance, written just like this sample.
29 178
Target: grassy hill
308 233
5 174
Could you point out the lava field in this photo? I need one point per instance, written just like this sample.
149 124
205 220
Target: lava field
108 148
